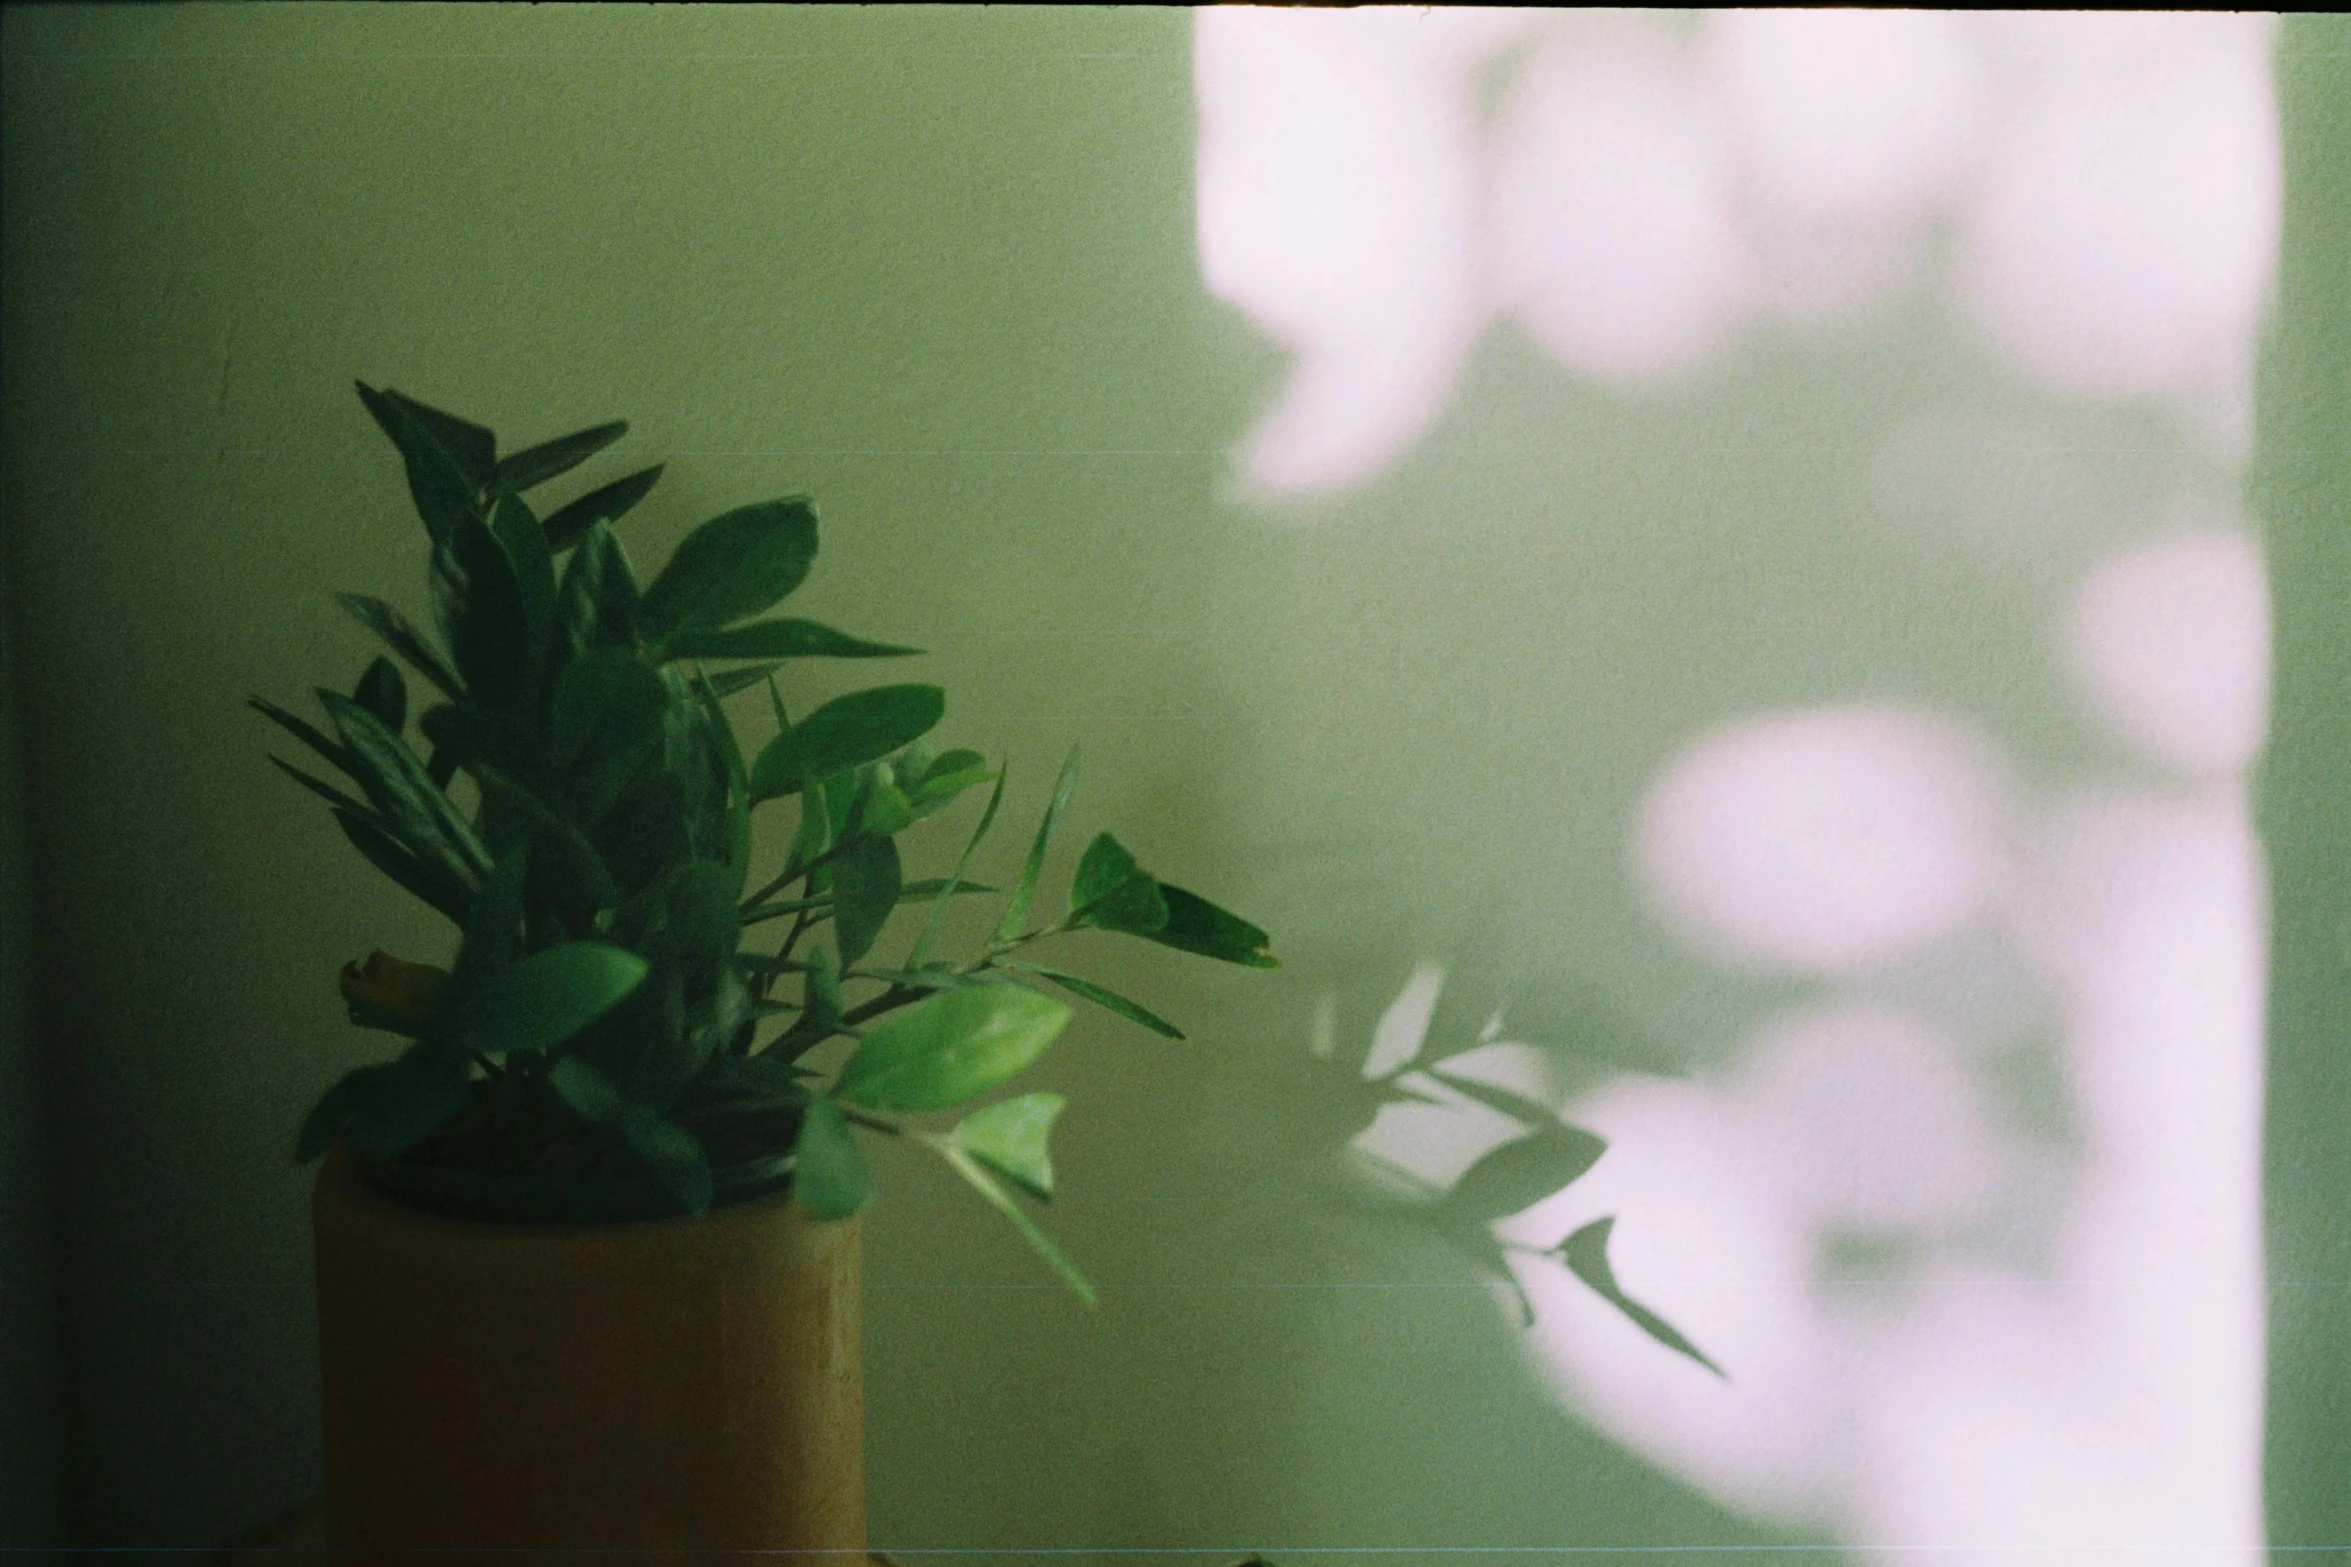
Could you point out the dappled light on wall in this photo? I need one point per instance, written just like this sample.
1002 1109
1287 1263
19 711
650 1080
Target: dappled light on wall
1969 1208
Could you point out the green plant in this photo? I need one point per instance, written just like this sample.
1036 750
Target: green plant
601 1020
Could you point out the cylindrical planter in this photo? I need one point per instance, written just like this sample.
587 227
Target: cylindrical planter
661 1387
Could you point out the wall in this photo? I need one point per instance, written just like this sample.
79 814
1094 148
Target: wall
940 268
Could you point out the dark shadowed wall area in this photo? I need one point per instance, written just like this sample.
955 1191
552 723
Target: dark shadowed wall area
940 269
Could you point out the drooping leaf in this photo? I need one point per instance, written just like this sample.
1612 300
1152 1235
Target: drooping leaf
1016 912
608 702
950 1048
1009 1137
1196 925
1586 1255
998 1198
1111 892
382 692
402 638
411 1098
731 567
334 1110
866 884
1522 1172
1102 996
829 1175
548 997
567 525
447 459
847 732
535 465
775 639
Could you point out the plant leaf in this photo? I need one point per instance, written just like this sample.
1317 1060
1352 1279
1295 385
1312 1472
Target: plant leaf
998 1198
396 784
568 525
1016 912
729 681
335 1107
847 732
596 605
930 929
830 1180
491 932
1196 925
548 997
429 880
413 1096
302 730
866 884
608 702
775 639
327 792
1522 1172
675 1156
735 565
1009 1137
524 544
954 1046
1111 892
1101 996
382 692
480 606
1586 1255
820 1003
536 465
587 1090
403 638
448 460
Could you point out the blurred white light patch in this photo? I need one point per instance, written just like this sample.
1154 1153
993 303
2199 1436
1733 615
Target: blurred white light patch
1336 181
2127 227
1615 241
1823 839
1850 114
2170 642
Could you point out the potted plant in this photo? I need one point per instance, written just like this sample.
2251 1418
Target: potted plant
587 1244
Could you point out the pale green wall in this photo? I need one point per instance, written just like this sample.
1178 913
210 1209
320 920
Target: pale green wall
934 267
2302 487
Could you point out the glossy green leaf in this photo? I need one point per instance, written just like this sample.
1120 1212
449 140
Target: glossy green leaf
547 997
820 994
886 810
396 784
402 638
596 603
847 732
1016 912
1196 925
970 1168
382 692
1586 1255
480 607
1111 892
524 544
607 702
732 567
536 465
1523 1172
676 1158
829 1175
1102 996
567 525
930 929
866 884
303 730
429 880
411 1098
950 1048
775 639
587 1090
1009 1137
443 482
946 779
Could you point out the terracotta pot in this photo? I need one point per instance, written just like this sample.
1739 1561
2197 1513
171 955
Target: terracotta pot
661 1387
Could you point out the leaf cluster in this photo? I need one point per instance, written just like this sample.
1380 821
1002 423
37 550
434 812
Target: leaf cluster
573 794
